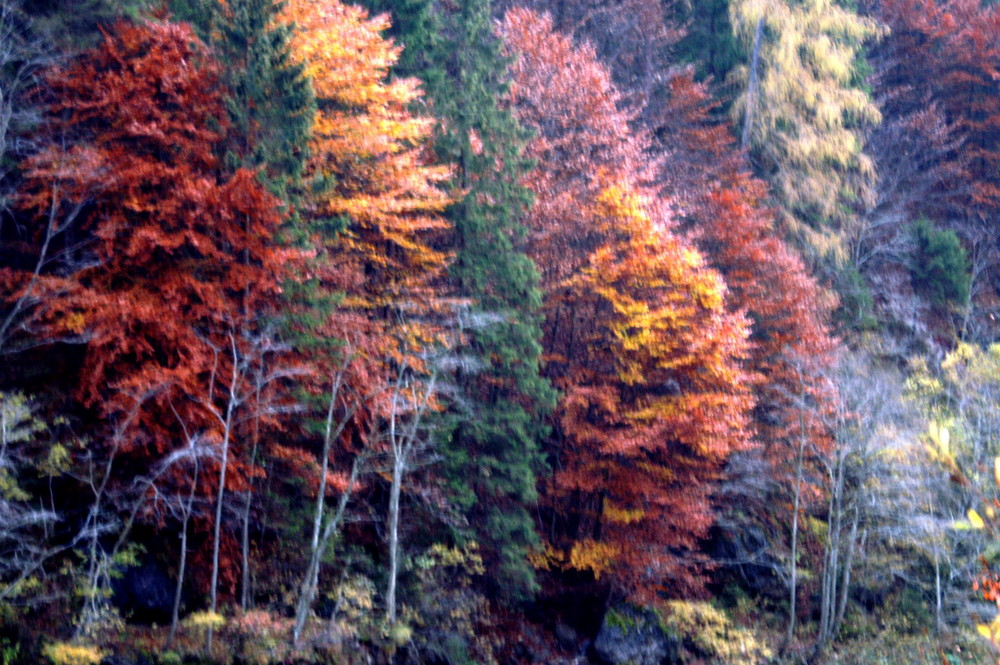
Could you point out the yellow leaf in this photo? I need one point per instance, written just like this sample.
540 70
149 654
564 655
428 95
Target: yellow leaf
984 630
975 519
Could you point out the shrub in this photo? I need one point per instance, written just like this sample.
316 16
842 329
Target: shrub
64 653
709 633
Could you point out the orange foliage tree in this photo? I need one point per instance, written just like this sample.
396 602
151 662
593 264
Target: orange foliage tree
377 230
791 350
637 333
171 254
376 223
371 148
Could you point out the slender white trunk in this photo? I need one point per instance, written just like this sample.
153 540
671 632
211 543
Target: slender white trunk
793 592
188 508
308 588
217 534
397 479
845 583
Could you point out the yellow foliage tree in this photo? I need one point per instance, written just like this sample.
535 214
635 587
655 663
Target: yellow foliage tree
802 111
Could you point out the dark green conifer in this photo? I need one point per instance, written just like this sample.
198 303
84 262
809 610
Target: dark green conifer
940 269
492 455
271 103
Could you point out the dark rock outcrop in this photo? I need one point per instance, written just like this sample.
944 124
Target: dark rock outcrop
633 636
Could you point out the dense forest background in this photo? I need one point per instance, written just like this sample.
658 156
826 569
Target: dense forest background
451 332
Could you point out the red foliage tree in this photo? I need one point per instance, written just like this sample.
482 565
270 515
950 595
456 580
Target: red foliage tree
637 334
725 209
173 264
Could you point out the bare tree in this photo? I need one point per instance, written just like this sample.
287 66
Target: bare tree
874 430
341 409
406 439
249 372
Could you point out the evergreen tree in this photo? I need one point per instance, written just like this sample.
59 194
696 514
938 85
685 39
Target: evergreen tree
940 267
271 103
492 456
72 25
415 27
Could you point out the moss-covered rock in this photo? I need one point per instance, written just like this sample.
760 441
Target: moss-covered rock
634 636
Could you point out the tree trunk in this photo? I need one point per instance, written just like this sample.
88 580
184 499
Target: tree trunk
309 581
397 479
845 583
795 533
175 614
217 535
752 84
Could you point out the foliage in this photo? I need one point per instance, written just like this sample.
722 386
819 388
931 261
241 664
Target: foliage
255 243
450 619
791 345
209 238
637 335
490 449
261 636
205 620
268 100
940 267
803 111
708 632
381 181
65 653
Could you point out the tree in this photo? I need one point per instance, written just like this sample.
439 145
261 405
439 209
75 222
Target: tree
161 229
791 349
491 455
269 99
23 526
940 267
377 231
633 38
637 335
936 72
802 110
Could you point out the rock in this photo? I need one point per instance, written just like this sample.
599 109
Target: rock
634 636
144 594
746 558
567 637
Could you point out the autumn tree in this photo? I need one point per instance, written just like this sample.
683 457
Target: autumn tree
633 38
801 111
935 73
791 348
637 335
377 231
173 262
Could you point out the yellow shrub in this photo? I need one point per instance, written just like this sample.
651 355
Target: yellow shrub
712 633
205 620
64 653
